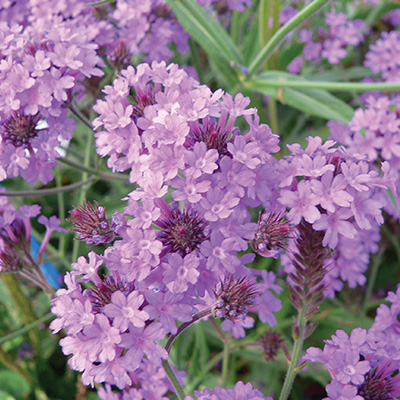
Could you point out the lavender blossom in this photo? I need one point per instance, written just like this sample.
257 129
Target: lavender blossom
364 364
339 194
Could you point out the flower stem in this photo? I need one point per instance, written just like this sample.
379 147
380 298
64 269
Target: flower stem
61 210
77 112
186 325
225 363
372 278
296 353
172 377
26 328
103 175
279 36
82 195
44 192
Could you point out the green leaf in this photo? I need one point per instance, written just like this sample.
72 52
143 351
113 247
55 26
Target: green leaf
315 102
392 198
209 34
5 396
13 384
338 75
100 3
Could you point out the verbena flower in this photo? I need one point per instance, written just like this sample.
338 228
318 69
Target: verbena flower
272 234
43 65
240 391
177 139
373 134
339 194
16 252
382 56
91 224
364 365
329 42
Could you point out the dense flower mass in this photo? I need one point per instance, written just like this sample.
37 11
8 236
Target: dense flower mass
329 42
364 365
373 134
211 218
178 139
382 56
337 192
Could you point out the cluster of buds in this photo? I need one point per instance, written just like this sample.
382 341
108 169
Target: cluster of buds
233 297
272 233
271 342
15 247
15 244
91 224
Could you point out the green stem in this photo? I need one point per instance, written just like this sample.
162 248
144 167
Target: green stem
103 175
372 278
43 192
225 363
26 328
186 325
264 30
194 50
86 162
172 377
273 113
280 35
61 211
332 86
296 353
235 26
78 113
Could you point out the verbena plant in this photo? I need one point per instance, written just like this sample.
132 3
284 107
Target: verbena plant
199 199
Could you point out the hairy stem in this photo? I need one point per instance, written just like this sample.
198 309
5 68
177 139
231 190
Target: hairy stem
295 356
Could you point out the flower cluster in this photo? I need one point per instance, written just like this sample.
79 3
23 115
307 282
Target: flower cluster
373 133
364 365
329 42
42 67
337 193
16 244
91 224
240 391
179 140
382 56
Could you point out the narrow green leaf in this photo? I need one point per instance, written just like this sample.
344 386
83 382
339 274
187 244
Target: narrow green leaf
392 198
100 3
209 34
316 102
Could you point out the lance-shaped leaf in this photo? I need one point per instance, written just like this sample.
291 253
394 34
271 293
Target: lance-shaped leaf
211 36
316 102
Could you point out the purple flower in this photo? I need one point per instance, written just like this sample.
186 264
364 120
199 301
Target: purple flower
179 273
302 203
124 310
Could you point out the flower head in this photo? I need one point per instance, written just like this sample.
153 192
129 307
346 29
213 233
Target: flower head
233 297
271 235
91 224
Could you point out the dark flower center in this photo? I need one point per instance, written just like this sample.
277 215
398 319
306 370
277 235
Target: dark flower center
182 232
140 100
19 129
378 385
100 294
214 137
